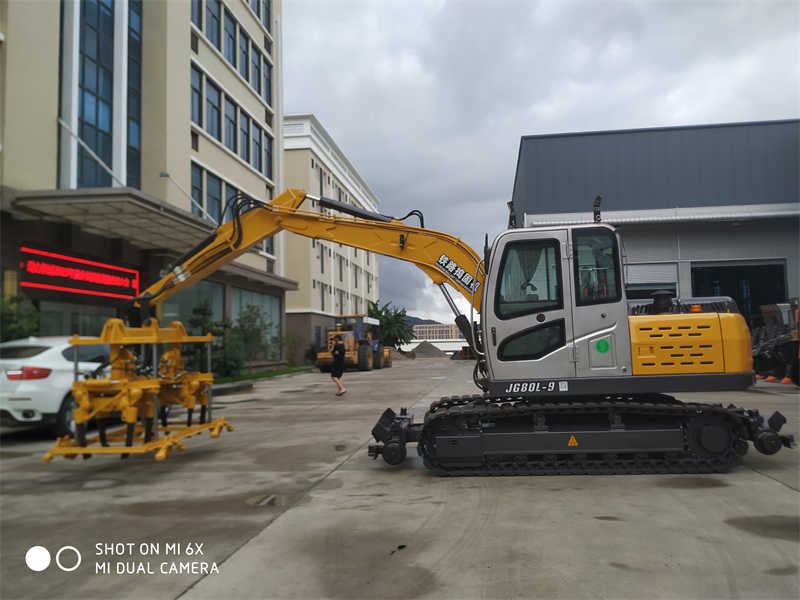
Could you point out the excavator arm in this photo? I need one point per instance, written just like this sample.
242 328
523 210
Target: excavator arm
442 257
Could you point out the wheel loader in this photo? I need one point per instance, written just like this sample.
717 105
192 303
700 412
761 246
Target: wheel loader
361 351
571 378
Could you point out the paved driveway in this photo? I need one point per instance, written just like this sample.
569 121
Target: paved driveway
290 506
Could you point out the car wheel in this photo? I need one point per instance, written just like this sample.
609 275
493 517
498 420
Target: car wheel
65 419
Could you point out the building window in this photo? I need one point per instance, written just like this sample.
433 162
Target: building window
230 193
367 257
355 277
213 13
181 305
214 197
230 38
322 296
260 316
230 125
197 190
269 245
197 13
197 96
267 83
341 268
256 147
255 61
266 13
213 110
268 155
244 54
322 259
134 93
244 142
267 45
256 6
95 91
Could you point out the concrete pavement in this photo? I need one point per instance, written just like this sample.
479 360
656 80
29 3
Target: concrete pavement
290 506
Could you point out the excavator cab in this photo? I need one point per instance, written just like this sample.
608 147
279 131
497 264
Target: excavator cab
554 306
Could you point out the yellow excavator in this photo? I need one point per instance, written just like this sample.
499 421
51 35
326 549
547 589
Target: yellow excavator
572 376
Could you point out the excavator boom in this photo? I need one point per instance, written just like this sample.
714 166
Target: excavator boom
442 257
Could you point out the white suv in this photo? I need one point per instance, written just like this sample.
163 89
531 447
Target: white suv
36 376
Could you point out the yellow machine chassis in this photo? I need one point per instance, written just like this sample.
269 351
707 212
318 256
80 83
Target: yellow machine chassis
137 397
68 448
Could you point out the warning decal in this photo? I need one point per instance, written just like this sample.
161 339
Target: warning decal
572 441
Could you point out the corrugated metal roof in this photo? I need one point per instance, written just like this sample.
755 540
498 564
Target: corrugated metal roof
666 167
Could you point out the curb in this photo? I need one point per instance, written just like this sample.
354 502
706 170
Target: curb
222 389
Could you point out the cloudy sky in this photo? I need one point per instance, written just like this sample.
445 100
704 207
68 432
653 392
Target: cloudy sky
429 98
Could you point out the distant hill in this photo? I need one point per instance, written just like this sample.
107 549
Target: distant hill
417 321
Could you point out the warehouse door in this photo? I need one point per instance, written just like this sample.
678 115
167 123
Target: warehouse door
642 279
751 284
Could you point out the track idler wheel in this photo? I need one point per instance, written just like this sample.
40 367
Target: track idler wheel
394 452
768 442
709 436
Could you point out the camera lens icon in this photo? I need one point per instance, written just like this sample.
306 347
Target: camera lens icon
38 558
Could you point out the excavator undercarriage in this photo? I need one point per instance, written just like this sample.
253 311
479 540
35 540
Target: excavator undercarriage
481 435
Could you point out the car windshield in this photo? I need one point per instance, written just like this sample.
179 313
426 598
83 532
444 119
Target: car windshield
97 353
21 351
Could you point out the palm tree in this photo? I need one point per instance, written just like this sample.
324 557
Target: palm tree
394 330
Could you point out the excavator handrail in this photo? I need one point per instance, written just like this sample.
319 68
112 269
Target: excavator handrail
442 257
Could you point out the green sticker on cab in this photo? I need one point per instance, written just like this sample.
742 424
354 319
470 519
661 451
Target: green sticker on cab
602 346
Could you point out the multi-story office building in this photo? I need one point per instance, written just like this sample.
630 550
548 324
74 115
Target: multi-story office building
126 126
333 279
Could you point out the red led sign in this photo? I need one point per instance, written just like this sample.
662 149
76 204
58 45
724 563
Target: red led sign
52 271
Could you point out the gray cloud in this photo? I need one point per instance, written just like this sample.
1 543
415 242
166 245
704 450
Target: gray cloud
429 98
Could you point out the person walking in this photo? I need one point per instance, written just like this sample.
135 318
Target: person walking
338 365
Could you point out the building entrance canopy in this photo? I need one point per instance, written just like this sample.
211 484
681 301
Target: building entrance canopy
142 220
119 213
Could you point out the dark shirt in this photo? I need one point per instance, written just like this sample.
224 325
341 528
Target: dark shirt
338 355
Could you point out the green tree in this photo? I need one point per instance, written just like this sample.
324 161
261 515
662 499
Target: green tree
227 350
254 331
18 318
394 329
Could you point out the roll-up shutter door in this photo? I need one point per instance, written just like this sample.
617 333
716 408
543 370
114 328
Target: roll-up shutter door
651 273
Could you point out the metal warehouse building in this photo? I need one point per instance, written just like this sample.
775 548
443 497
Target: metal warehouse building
703 210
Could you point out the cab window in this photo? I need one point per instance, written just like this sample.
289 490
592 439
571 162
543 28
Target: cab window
533 344
530 279
597 278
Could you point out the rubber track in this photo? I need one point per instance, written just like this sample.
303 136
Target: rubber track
579 464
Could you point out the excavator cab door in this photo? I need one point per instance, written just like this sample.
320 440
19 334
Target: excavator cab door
600 311
527 311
